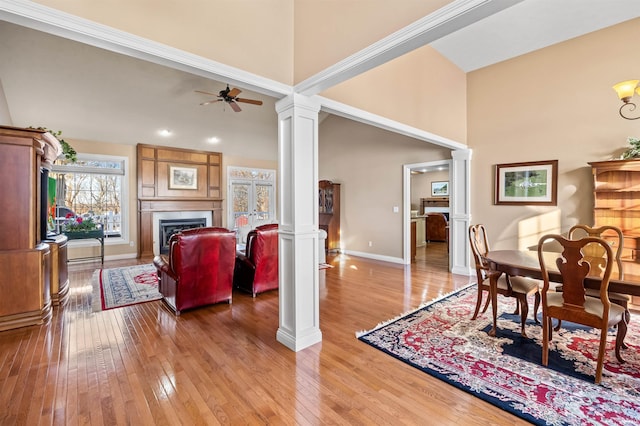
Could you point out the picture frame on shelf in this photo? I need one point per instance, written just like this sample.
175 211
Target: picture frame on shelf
183 177
529 183
440 189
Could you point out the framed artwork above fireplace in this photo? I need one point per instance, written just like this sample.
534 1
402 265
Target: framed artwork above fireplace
183 177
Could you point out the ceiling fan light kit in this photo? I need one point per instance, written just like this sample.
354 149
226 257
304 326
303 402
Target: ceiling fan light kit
229 96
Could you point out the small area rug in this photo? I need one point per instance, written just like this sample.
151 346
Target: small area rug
441 340
116 287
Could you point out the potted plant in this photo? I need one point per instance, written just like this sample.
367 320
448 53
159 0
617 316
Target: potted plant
634 151
75 227
67 150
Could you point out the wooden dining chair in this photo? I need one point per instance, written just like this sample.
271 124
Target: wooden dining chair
511 286
595 253
572 304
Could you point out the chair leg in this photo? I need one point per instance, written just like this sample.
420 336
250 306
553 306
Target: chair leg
558 325
524 312
627 319
601 349
479 303
620 335
536 306
517 307
486 304
546 325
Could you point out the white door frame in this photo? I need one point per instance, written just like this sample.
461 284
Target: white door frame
406 202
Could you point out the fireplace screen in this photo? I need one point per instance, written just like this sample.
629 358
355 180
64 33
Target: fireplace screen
171 226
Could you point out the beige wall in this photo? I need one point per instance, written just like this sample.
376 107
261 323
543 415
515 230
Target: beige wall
421 186
367 162
328 31
224 31
421 89
556 103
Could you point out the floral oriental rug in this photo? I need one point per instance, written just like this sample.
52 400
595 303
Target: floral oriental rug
116 287
441 340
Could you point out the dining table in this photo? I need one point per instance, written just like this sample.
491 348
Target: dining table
526 263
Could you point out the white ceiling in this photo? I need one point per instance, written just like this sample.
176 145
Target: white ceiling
94 94
531 25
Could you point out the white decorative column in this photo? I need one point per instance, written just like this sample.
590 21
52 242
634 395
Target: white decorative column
298 223
460 211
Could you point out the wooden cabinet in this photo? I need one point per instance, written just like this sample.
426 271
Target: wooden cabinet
616 193
25 259
59 270
329 210
437 227
617 200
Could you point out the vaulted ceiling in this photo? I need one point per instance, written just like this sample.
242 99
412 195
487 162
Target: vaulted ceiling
95 94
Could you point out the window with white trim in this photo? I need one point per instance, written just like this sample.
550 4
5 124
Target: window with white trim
94 186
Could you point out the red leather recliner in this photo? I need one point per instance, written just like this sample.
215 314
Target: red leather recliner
257 269
199 268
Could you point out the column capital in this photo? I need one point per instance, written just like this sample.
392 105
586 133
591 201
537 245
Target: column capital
296 100
461 154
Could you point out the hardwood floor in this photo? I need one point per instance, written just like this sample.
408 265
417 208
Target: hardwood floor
222 364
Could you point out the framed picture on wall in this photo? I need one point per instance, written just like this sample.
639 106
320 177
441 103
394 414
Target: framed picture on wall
440 189
533 183
183 177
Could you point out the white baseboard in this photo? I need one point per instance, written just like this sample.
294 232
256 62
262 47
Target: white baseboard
374 256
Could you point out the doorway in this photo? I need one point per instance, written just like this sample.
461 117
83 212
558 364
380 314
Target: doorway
425 181
252 199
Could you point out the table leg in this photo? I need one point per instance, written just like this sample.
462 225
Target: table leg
493 293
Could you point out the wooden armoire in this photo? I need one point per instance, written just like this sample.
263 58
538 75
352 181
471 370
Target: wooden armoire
26 155
329 210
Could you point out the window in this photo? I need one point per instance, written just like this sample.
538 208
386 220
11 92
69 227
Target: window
93 187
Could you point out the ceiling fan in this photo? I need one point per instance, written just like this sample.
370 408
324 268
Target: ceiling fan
229 96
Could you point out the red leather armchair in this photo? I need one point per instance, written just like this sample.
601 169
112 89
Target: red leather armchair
257 268
199 268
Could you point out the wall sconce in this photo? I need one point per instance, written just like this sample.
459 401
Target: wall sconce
625 91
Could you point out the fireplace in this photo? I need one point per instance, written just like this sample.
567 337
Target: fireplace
168 227
171 226
166 224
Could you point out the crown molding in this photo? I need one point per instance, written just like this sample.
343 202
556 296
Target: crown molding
362 116
444 21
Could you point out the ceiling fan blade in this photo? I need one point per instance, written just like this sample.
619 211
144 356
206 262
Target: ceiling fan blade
211 102
249 101
206 93
234 106
234 92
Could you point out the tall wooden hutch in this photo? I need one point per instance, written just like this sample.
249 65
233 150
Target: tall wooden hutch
26 260
329 210
617 200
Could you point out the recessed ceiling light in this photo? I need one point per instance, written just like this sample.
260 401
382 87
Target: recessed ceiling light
213 139
164 133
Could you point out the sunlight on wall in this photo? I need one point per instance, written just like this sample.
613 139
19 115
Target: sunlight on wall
530 230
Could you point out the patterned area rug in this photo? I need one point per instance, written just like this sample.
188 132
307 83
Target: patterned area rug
441 340
116 287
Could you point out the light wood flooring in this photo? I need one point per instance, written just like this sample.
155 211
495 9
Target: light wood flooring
141 365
